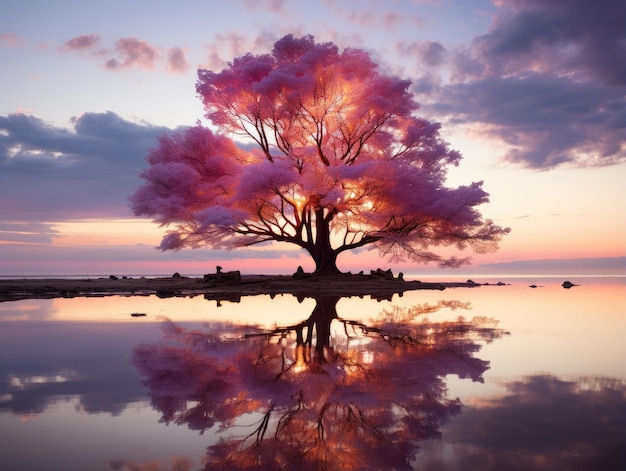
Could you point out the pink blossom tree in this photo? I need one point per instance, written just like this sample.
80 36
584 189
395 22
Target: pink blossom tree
328 156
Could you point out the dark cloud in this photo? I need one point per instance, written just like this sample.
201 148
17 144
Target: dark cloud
546 120
572 37
430 53
547 79
49 173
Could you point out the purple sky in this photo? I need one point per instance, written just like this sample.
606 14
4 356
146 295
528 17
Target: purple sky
531 92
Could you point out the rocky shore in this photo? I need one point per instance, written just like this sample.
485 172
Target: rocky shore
228 289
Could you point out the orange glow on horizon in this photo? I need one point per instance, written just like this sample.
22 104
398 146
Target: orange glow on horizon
98 232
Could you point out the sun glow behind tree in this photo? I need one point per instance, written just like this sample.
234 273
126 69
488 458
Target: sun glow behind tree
341 162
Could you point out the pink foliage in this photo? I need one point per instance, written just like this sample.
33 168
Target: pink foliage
341 162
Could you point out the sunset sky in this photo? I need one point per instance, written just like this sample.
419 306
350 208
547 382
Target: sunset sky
531 92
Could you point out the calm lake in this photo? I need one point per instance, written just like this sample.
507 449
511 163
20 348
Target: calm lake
487 378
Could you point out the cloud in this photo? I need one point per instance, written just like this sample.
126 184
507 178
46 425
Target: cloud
574 266
569 37
431 53
546 79
27 232
374 18
128 258
176 61
226 47
275 6
133 52
545 120
85 41
11 40
130 53
49 173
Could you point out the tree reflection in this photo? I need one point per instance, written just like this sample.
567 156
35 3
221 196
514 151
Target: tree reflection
326 393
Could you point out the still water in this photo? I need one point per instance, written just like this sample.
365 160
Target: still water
490 378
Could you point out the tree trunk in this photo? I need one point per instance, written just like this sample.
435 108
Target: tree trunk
324 256
325 263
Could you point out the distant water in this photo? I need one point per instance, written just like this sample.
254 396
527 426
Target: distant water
407 276
86 277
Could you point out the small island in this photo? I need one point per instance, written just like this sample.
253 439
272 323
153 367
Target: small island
378 284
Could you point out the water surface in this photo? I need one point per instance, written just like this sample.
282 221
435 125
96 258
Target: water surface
495 377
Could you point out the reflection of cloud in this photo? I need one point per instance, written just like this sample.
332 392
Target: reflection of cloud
63 360
543 423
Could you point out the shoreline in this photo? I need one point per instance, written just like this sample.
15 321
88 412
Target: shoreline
344 285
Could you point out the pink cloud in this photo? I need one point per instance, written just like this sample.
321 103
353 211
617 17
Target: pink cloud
11 40
129 52
228 46
275 6
369 18
176 61
133 53
85 41
391 19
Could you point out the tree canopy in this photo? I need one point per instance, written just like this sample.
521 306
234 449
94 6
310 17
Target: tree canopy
315 147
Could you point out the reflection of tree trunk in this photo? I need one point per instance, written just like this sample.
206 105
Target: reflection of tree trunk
321 318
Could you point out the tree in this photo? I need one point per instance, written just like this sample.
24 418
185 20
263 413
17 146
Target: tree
330 158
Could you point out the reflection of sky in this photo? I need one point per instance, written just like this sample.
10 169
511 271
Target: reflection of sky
540 423
67 439
40 362
64 364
